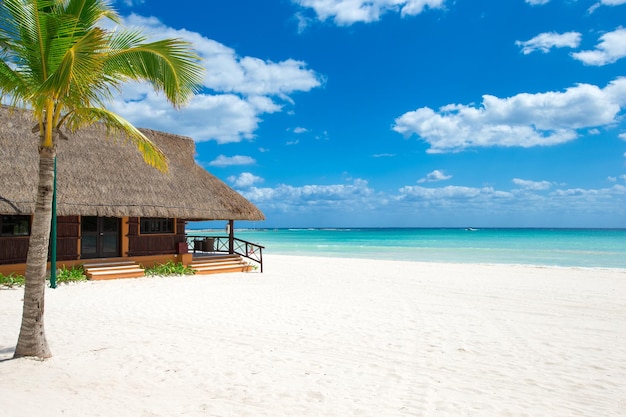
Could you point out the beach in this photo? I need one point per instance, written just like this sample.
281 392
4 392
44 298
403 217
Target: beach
315 336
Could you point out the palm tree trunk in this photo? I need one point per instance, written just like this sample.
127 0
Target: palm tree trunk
32 339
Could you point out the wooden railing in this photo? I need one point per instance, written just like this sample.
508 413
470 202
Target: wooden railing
221 244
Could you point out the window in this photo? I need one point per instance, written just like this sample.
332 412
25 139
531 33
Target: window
156 225
14 226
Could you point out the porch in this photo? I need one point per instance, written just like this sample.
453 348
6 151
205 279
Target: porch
204 254
203 246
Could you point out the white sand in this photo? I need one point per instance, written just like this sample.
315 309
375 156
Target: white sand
328 337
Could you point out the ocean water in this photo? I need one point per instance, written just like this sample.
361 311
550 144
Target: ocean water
604 248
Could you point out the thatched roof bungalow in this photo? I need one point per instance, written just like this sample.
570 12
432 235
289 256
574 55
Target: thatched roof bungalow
101 179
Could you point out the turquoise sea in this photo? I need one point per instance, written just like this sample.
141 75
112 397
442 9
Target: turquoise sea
604 248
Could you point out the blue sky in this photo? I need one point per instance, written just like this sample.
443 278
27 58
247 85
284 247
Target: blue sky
453 113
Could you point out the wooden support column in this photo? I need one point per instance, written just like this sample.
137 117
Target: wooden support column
231 237
124 237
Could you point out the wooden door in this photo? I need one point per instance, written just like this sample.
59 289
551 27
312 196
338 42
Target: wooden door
100 237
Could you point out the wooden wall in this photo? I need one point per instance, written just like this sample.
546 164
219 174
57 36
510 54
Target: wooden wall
14 249
68 232
160 244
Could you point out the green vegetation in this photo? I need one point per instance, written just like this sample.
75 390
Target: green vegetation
74 274
169 268
11 280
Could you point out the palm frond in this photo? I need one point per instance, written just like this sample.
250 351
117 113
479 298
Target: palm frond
78 68
11 81
89 12
58 60
170 65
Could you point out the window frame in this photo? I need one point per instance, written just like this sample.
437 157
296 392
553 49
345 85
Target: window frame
157 226
23 217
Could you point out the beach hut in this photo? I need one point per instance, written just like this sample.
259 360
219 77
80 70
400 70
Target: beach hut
110 204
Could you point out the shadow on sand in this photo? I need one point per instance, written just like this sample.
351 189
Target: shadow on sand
6 353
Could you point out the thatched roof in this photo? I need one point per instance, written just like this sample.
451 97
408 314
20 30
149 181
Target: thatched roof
97 176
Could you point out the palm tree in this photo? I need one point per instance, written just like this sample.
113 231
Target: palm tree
61 65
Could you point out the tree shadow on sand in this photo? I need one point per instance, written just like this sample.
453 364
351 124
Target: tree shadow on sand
6 353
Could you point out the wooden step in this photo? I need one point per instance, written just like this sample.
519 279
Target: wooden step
103 275
220 264
113 270
203 258
223 269
216 263
100 263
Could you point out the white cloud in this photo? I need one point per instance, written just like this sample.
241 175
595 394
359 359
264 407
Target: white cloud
131 3
582 192
347 12
415 205
537 2
601 3
435 176
593 8
224 161
230 73
524 120
609 3
323 136
238 90
245 180
612 47
303 22
299 130
622 136
461 199
532 185
545 41
450 192
288 198
221 117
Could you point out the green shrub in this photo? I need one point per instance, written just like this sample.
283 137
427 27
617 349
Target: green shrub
169 268
74 274
11 280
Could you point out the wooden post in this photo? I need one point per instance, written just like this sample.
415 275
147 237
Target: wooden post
231 237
